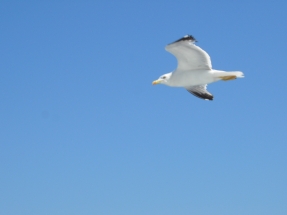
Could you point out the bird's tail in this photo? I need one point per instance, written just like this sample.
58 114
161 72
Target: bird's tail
226 76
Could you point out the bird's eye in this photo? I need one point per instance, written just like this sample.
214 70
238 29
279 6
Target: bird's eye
163 77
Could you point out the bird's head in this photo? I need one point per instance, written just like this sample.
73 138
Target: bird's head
164 79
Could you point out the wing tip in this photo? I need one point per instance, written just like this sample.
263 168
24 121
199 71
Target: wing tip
187 37
202 94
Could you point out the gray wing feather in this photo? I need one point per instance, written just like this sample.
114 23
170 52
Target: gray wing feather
200 92
189 56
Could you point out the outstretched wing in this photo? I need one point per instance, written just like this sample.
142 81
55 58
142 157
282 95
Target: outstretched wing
200 92
189 56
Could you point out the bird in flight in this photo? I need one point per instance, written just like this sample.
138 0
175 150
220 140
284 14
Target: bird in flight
194 70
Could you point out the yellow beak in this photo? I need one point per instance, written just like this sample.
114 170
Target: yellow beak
155 82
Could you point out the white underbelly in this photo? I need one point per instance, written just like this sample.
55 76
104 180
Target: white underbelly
191 78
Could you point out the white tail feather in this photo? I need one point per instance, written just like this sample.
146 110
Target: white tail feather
220 74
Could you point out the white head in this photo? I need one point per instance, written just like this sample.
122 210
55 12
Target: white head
164 79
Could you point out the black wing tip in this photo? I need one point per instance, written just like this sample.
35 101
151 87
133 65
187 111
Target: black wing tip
187 37
204 96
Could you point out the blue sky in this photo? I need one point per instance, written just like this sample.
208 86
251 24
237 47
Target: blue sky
83 131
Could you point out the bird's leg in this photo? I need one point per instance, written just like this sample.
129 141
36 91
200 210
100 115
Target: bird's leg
228 78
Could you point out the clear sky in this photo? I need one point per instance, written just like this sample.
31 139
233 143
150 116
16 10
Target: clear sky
83 131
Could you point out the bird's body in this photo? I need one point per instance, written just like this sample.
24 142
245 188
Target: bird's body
187 79
194 69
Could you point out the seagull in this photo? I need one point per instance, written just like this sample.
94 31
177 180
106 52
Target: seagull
194 70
